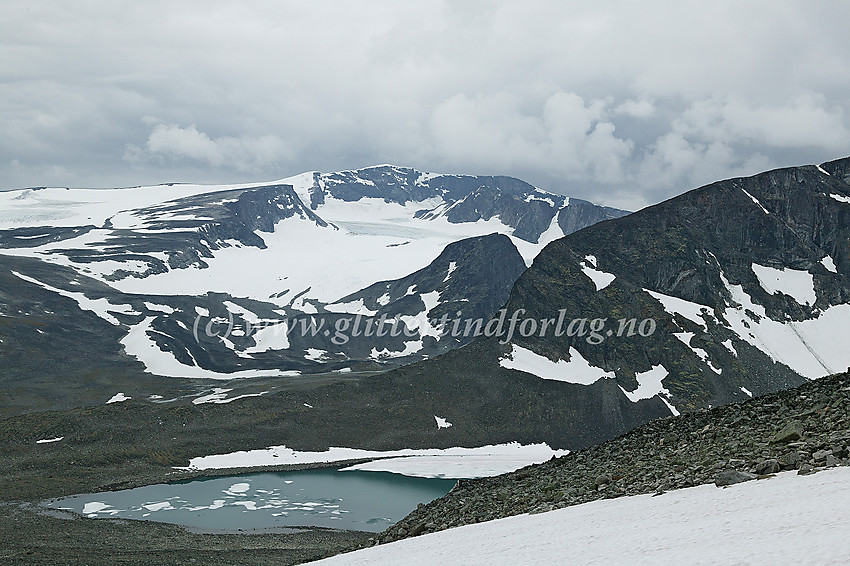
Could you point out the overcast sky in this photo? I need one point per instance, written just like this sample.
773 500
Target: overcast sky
622 103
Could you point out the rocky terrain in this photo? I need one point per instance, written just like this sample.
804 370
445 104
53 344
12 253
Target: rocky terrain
127 285
803 429
35 536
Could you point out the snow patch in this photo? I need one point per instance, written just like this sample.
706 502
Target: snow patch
441 422
799 285
452 267
829 264
840 198
694 312
138 344
813 348
159 308
456 462
315 354
118 398
101 307
270 338
755 200
410 347
685 338
649 386
219 396
351 307
577 370
600 278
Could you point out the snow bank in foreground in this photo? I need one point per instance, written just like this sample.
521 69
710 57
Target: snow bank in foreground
428 463
788 519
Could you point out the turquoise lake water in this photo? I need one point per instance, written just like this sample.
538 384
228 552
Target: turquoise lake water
365 501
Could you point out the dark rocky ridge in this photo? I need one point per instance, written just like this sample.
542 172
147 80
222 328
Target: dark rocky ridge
804 429
467 198
473 277
227 217
683 248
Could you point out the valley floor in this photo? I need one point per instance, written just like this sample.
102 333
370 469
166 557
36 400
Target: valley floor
32 535
784 519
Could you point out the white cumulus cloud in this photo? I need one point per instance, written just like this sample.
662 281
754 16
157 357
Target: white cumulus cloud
242 153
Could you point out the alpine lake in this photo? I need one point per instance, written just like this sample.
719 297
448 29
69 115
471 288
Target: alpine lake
324 497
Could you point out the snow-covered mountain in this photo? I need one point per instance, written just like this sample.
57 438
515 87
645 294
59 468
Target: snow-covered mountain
731 290
230 281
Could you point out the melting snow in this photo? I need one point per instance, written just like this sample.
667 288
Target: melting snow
747 523
101 307
755 200
829 264
452 267
139 344
118 398
685 337
353 307
159 308
273 337
410 347
219 396
576 370
813 348
649 385
431 462
314 354
674 305
799 285
599 278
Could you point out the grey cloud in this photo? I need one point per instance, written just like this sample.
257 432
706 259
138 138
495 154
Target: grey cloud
242 153
624 103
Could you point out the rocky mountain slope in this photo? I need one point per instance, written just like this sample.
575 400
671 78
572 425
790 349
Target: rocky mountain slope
804 429
735 289
226 282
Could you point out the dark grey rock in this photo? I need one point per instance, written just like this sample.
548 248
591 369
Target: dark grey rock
789 433
805 469
768 467
603 479
731 477
821 455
